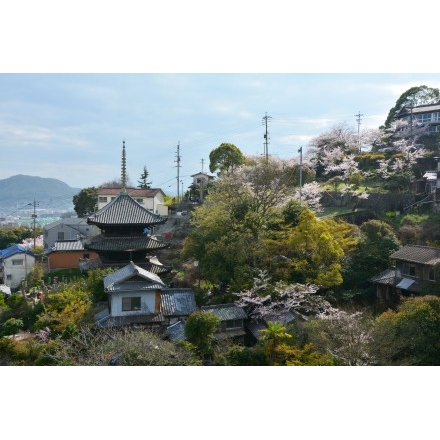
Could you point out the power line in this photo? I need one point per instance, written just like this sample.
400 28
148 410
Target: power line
178 169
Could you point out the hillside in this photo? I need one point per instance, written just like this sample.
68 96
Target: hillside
20 190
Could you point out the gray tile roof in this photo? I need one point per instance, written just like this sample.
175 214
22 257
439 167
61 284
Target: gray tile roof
226 312
120 321
177 302
124 210
176 332
418 254
101 243
114 280
385 277
70 245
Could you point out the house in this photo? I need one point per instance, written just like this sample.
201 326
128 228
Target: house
67 229
200 185
139 297
67 254
427 114
416 271
231 321
150 198
16 262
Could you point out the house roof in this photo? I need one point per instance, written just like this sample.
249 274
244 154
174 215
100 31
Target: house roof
386 277
419 109
139 318
124 210
430 175
67 246
226 312
133 192
120 280
124 243
176 332
16 249
418 254
155 266
68 221
177 302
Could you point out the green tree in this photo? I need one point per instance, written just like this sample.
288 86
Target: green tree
412 97
12 326
409 335
143 182
226 158
84 203
199 331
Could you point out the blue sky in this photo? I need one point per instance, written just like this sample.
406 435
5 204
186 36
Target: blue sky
71 126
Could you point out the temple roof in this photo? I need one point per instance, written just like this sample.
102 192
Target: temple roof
124 210
123 243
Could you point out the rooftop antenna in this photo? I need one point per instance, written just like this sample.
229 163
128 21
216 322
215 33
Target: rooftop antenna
123 171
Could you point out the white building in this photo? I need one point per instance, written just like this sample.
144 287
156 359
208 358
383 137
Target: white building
17 262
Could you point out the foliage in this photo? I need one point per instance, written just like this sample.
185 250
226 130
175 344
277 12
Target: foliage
199 331
410 335
84 203
14 235
226 158
95 283
91 346
344 336
11 326
143 182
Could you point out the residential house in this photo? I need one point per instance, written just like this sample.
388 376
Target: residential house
415 271
427 114
67 254
67 229
200 184
152 199
139 297
16 262
232 319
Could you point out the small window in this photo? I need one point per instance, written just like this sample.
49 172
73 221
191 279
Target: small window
60 236
140 201
9 276
131 303
431 274
17 262
233 323
409 269
102 199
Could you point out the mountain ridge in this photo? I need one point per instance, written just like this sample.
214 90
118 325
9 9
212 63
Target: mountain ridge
21 190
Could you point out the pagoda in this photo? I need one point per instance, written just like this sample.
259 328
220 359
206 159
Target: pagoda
126 228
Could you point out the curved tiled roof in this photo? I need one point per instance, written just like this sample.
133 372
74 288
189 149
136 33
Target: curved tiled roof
124 210
100 243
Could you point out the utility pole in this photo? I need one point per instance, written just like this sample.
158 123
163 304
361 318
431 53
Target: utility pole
358 119
34 217
300 151
202 160
178 170
266 137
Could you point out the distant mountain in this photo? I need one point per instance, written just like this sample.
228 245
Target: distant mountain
20 191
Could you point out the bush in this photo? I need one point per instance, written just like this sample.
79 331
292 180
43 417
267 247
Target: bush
12 326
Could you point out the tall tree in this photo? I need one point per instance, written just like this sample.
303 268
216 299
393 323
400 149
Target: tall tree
84 203
412 97
143 182
225 158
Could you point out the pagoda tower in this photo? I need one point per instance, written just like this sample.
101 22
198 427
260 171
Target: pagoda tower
126 228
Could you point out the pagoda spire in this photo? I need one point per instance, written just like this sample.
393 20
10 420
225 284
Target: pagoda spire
123 171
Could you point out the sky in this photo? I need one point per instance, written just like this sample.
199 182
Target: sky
71 126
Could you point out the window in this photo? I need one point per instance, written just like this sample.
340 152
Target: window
431 274
140 201
9 276
60 236
102 199
233 323
409 269
131 303
17 262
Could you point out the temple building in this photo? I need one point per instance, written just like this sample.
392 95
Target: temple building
126 232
